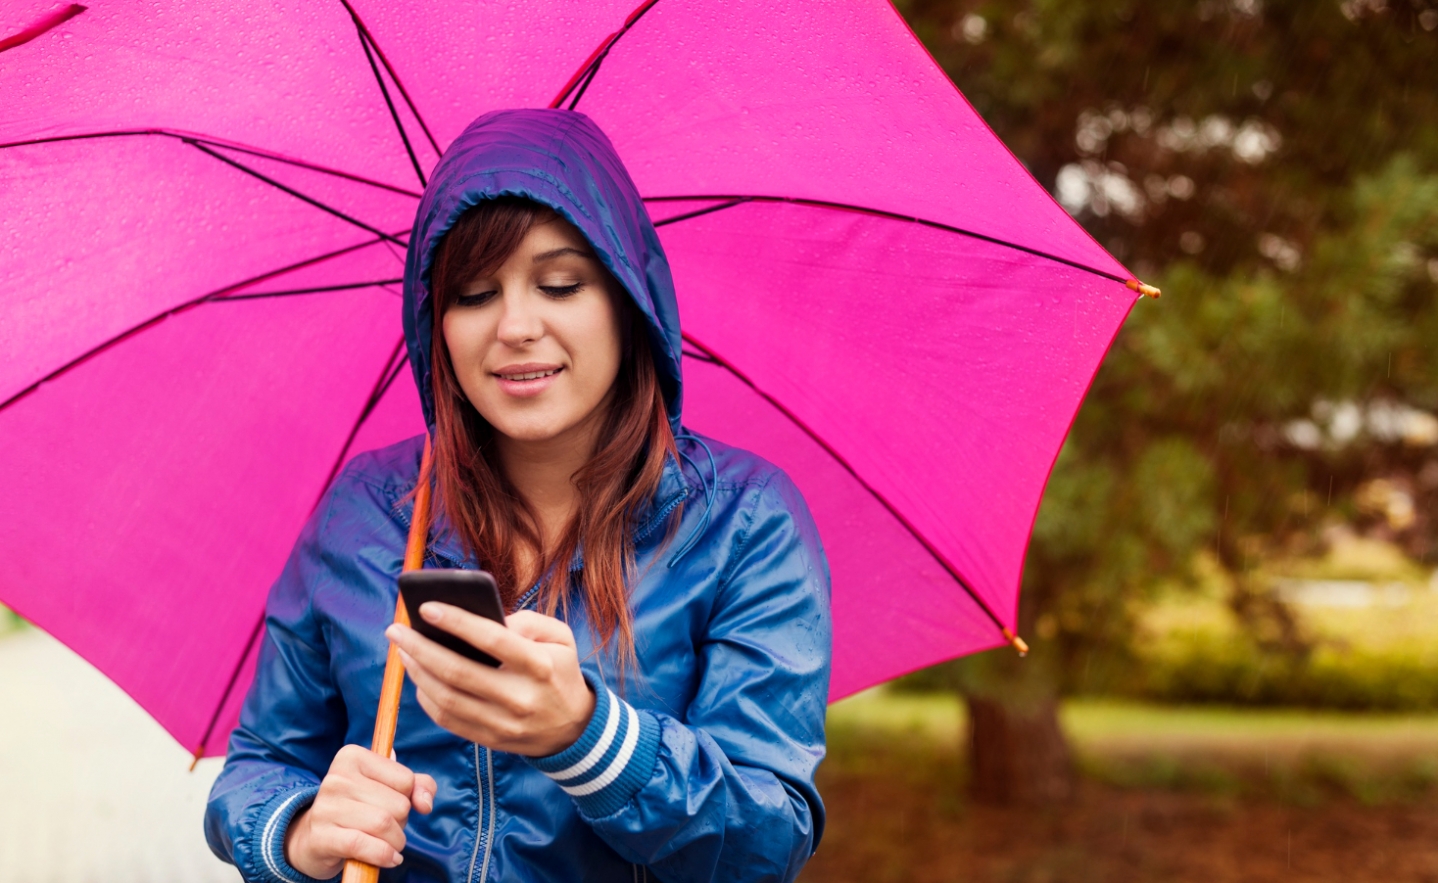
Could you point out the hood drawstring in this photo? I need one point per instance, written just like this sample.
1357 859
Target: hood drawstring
709 494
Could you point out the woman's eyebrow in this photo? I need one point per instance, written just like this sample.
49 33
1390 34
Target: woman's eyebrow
559 252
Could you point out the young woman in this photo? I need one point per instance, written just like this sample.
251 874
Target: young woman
660 707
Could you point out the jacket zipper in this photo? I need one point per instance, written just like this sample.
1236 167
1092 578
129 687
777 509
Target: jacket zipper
484 784
484 780
484 758
480 840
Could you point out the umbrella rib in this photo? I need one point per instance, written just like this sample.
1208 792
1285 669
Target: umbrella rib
41 27
291 292
699 357
590 67
399 84
386 379
703 211
215 142
731 200
291 191
306 165
229 688
714 358
209 297
389 102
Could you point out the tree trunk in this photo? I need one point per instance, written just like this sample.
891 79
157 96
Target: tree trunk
1018 755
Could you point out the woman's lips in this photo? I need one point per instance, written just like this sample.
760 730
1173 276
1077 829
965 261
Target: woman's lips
523 381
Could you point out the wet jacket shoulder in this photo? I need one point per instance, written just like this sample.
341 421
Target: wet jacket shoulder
698 765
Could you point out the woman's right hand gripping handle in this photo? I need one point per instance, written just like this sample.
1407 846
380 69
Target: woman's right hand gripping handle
359 813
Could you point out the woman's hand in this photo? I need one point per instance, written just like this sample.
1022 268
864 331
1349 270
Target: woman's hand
359 813
536 703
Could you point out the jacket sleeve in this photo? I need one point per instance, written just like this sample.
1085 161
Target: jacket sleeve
291 725
726 793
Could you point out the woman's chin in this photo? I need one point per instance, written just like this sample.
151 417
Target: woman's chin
533 429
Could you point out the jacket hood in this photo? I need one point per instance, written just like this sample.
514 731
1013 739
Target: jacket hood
561 159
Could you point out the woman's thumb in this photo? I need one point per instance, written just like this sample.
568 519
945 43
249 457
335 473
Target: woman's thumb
424 791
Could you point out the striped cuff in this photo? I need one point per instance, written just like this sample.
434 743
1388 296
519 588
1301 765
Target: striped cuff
613 758
269 847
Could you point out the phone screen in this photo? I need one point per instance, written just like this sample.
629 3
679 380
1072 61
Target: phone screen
472 590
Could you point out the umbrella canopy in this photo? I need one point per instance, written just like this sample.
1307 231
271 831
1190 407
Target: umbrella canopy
202 225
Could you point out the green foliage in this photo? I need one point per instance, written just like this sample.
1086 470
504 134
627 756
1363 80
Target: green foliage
10 621
1208 667
1343 90
1296 756
1273 166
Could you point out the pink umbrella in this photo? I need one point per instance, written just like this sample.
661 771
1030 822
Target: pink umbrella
202 224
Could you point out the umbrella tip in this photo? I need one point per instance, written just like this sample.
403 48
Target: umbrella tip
199 753
1142 288
1016 642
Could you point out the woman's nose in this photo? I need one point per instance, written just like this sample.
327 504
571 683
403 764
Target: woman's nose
520 322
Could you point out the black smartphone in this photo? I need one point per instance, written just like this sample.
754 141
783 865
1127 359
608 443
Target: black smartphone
472 590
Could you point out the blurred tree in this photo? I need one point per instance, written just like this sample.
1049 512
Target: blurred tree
1273 165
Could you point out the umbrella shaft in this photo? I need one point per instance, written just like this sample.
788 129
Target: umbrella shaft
387 717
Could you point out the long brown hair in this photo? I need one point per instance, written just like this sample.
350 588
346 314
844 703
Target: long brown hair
622 474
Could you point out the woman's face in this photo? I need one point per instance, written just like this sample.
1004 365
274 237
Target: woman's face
536 344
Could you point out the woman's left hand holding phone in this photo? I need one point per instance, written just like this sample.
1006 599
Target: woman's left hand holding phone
536 703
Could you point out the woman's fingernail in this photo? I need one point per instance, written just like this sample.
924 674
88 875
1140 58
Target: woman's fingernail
430 611
392 633
398 860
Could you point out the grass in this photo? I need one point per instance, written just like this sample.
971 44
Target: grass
10 621
1380 656
1288 754
1179 794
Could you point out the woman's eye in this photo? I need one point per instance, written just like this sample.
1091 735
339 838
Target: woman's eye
474 300
561 290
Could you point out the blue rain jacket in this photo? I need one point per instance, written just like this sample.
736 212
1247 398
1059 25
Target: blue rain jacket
700 766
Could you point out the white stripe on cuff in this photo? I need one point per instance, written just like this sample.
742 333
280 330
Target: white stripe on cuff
626 750
611 726
267 838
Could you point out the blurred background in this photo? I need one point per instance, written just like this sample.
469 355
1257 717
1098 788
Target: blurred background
1232 588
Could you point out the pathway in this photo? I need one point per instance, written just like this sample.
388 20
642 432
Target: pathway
91 789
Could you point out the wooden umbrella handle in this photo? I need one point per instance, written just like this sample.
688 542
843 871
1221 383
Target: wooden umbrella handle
388 715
